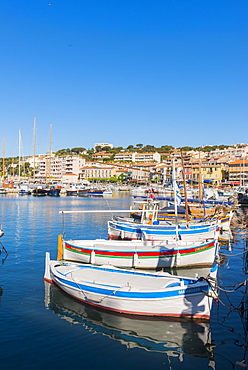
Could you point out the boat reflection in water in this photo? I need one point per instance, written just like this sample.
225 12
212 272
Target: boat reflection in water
175 338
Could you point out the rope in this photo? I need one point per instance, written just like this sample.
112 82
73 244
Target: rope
99 301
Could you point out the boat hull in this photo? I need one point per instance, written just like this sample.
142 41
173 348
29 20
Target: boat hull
135 231
132 292
139 254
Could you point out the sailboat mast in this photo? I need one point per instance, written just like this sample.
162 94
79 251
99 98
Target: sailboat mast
175 195
49 156
19 155
185 190
200 177
3 172
34 145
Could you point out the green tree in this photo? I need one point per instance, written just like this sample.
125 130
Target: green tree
149 148
165 149
78 150
98 148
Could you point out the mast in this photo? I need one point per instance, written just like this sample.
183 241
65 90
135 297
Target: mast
49 156
200 177
185 191
175 195
243 171
34 158
3 172
19 155
201 185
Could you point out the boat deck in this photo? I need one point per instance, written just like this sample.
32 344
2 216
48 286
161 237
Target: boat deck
121 279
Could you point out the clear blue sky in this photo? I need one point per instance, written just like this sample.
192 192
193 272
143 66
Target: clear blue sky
158 72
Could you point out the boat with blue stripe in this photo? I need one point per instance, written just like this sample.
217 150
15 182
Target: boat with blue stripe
132 292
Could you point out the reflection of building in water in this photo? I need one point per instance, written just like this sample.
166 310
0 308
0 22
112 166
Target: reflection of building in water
175 338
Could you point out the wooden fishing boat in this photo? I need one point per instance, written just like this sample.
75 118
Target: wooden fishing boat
124 230
99 192
82 192
39 192
221 214
72 191
138 253
132 292
53 191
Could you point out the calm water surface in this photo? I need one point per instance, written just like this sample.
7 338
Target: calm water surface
42 328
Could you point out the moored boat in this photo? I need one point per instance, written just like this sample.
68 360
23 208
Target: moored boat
221 214
3 191
53 191
132 292
138 253
39 192
125 230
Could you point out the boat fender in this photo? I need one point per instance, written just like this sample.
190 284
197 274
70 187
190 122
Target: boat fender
92 257
135 259
178 258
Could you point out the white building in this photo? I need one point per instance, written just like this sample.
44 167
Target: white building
138 157
56 166
236 151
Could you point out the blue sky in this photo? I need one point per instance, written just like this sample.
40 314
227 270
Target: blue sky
158 72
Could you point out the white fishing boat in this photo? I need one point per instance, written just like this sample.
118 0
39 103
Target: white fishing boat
132 292
139 253
24 189
149 228
124 230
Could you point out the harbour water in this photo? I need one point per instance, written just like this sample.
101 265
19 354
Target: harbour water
42 328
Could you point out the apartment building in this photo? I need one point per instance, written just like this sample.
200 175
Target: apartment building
125 156
237 151
238 171
101 155
138 157
211 173
97 172
52 166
